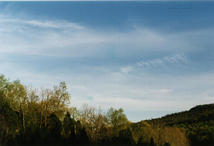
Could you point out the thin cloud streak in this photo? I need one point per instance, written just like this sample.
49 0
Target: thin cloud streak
71 39
167 60
39 23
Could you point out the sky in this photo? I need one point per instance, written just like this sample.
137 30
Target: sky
149 58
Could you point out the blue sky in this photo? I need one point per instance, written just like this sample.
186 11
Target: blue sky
150 58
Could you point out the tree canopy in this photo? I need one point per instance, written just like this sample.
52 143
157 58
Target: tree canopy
43 117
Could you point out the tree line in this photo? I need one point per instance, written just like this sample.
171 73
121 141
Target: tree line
43 117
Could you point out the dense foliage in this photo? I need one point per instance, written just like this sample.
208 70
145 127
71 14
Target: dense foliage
198 122
43 117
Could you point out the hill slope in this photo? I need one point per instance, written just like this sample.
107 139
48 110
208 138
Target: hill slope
197 114
198 122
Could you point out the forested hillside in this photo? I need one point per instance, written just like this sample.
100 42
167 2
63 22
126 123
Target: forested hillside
198 121
43 117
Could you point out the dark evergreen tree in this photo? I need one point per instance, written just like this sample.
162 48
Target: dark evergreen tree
54 128
152 143
69 125
141 142
125 137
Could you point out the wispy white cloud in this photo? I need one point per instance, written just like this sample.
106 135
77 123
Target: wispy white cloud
126 69
60 38
40 23
164 61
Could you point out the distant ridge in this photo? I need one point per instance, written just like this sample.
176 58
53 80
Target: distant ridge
199 113
198 122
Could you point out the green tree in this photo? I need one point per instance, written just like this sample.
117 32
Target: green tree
117 119
8 121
